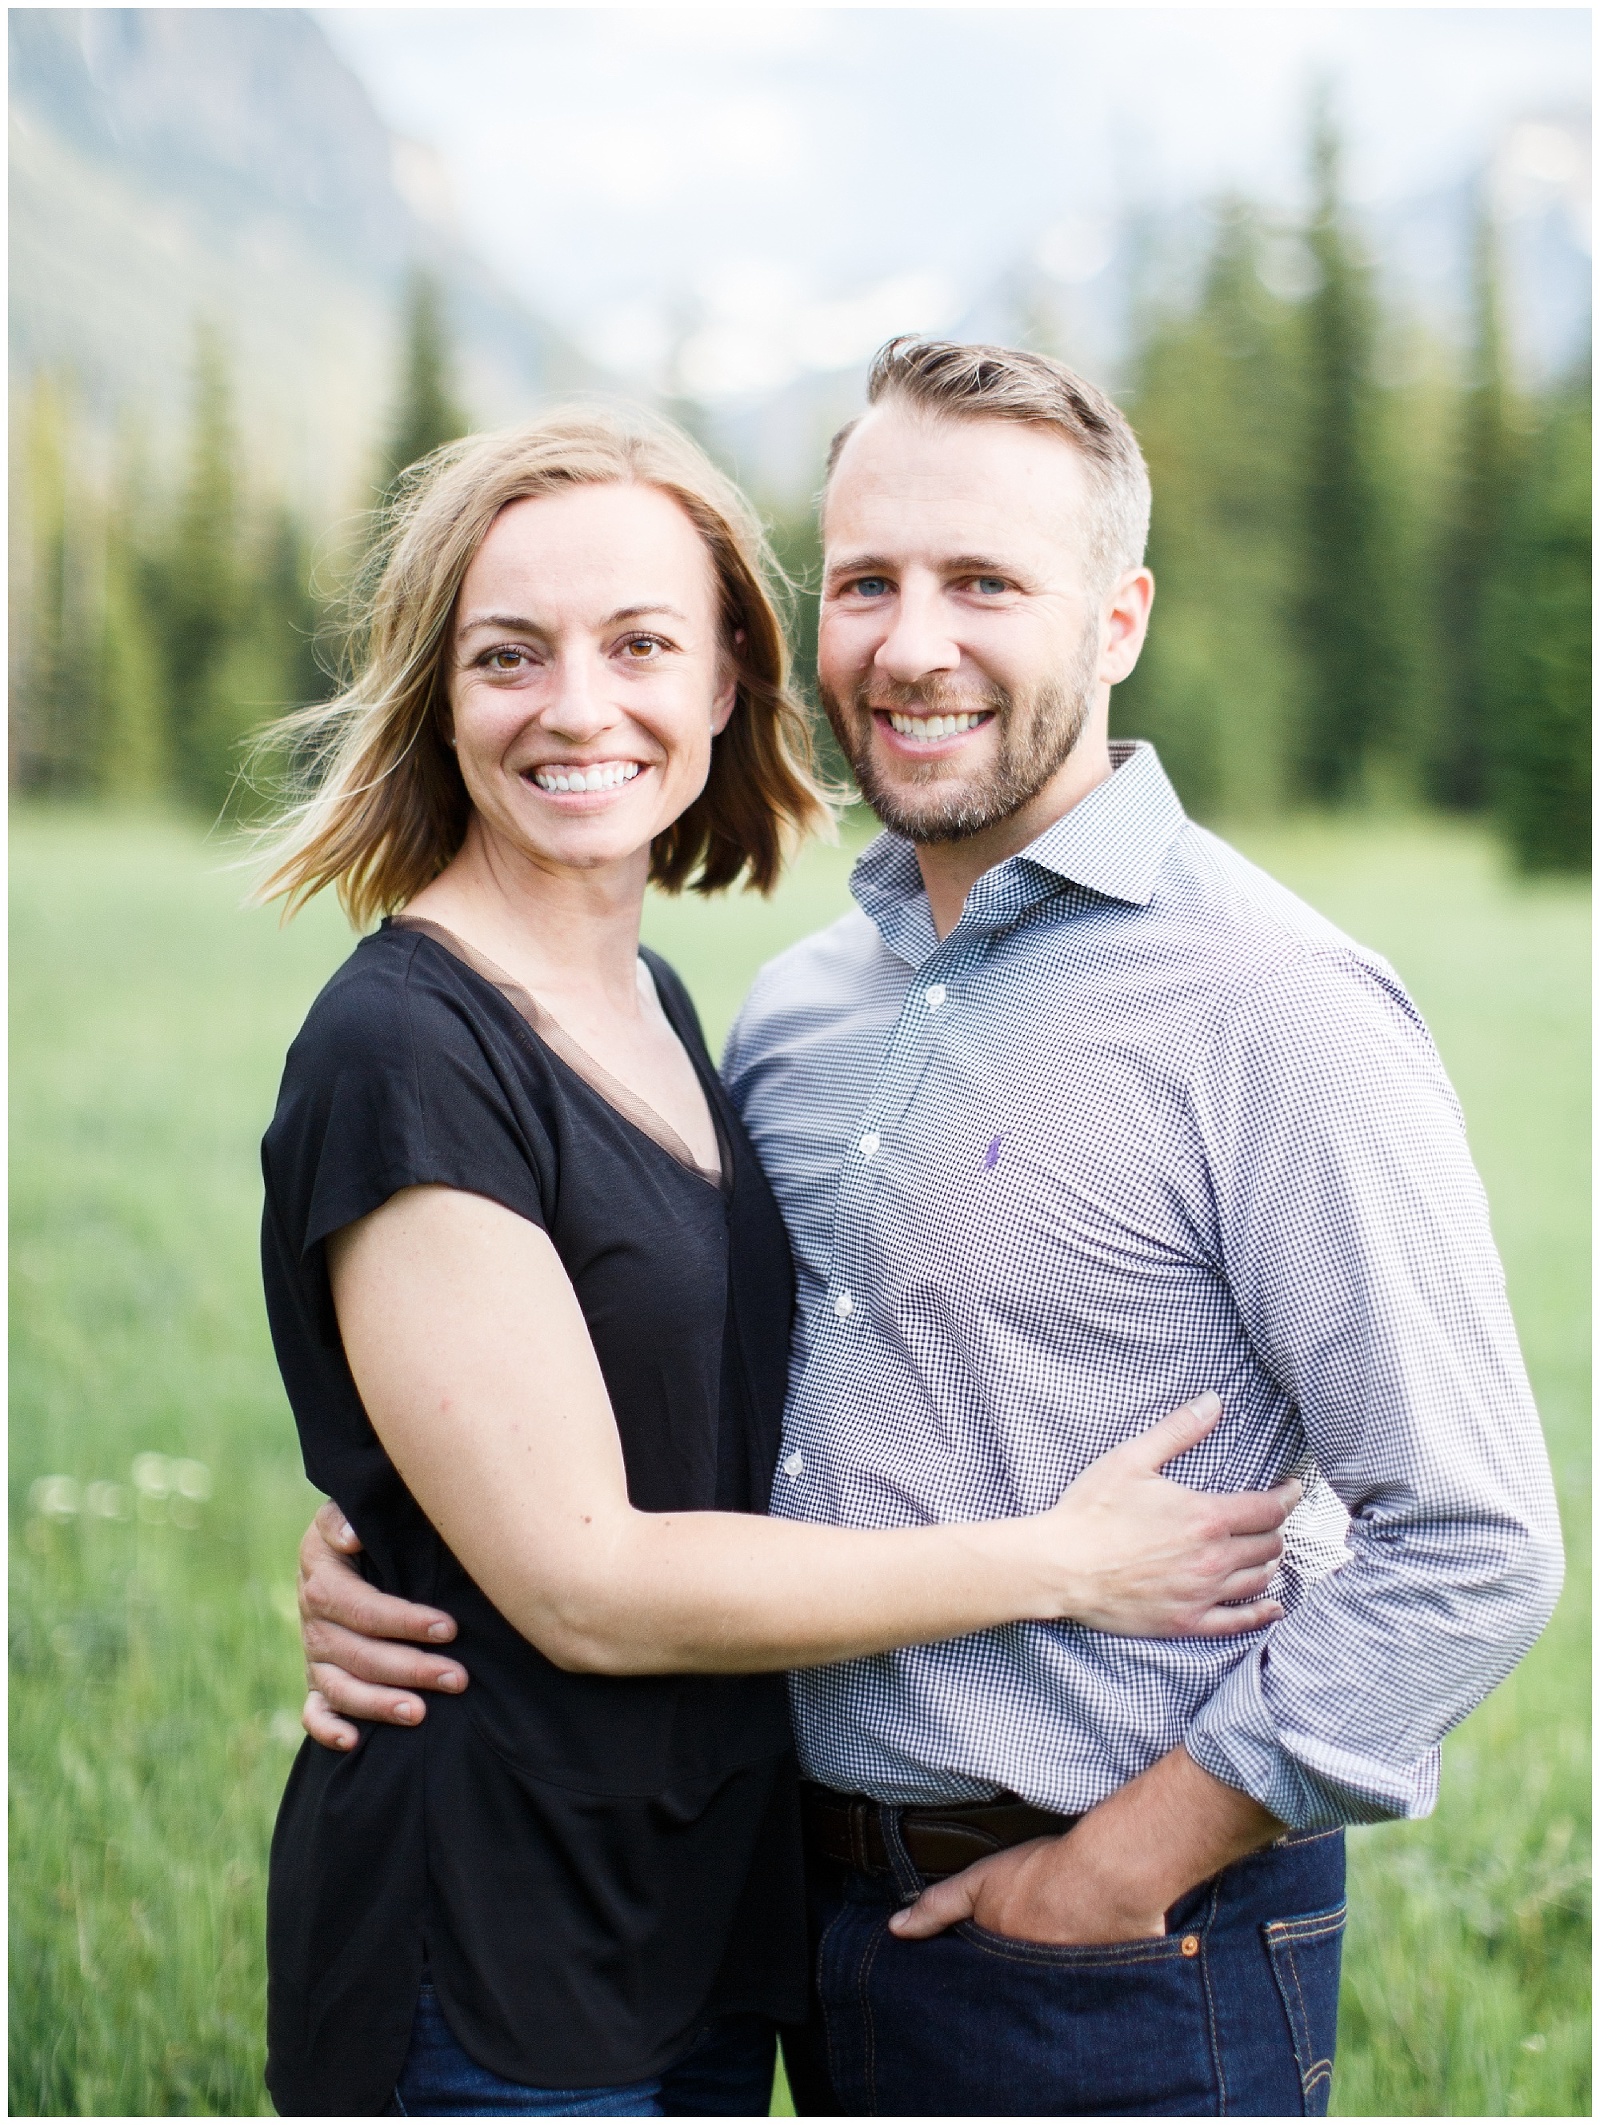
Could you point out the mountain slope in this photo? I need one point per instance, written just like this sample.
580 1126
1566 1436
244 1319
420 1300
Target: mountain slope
175 165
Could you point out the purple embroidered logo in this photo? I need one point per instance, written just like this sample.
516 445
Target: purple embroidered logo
991 1157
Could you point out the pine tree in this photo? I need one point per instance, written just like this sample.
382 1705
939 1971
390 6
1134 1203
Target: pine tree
271 664
56 586
1215 408
428 413
195 587
1475 532
134 738
1356 666
1538 635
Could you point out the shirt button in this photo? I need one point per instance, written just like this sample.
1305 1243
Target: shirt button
934 995
869 1143
795 1465
844 1305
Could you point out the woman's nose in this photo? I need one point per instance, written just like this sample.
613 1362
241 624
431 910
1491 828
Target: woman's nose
578 707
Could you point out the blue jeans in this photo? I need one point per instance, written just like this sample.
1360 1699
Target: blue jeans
1232 2014
728 2074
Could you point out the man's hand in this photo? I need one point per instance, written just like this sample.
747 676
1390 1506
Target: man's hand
1114 1875
347 1628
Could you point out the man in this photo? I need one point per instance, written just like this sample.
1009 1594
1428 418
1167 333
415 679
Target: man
1077 1115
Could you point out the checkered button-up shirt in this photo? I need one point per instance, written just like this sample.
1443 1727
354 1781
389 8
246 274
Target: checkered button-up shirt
1144 1124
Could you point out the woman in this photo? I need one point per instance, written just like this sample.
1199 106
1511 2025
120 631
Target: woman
531 1299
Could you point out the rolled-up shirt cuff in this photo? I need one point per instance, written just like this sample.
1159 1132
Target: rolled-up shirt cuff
1307 1783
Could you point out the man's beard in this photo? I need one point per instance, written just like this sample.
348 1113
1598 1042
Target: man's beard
1034 741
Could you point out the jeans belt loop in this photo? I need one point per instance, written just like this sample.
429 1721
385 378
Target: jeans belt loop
858 1836
908 1879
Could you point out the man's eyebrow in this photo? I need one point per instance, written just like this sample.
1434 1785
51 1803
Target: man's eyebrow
862 564
978 564
958 564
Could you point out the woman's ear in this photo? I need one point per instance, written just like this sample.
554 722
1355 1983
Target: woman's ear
727 689
726 700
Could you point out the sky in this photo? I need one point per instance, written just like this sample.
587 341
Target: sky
767 190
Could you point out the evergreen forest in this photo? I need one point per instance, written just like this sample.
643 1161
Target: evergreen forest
1371 550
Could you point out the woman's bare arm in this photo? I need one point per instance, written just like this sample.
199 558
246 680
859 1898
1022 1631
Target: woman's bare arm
474 1363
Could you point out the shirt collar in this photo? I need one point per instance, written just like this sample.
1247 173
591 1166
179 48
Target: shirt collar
1113 842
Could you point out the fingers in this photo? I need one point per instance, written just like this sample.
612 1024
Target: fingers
1246 1585
1245 1553
1257 1512
324 1726
1228 1622
942 1904
316 1549
1174 1435
341 1692
401 1667
334 1590
335 1529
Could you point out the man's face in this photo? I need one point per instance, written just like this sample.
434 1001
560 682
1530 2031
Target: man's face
960 639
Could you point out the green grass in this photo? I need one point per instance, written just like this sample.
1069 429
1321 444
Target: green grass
155 1673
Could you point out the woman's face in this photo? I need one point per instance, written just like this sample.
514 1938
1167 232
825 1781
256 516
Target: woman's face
586 674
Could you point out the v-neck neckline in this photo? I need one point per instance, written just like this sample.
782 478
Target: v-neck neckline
638 1113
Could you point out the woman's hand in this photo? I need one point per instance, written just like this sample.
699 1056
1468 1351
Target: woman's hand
1151 1559
441 1295
349 1630
1144 1557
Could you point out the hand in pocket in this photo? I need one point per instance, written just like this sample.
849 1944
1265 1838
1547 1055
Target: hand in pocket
1038 1892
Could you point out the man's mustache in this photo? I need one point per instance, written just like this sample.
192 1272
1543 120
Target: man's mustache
930 698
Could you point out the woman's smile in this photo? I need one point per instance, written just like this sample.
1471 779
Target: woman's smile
573 778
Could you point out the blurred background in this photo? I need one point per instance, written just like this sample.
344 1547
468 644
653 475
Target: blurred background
1334 264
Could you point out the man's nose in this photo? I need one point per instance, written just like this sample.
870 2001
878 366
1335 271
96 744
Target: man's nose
919 640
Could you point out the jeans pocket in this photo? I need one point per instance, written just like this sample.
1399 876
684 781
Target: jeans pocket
977 2024
1091 1955
1305 1955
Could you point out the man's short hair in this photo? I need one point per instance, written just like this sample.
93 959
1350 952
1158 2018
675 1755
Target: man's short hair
978 382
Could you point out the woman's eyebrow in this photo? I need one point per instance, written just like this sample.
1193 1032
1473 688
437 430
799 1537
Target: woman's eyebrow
519 621
643 612
523 625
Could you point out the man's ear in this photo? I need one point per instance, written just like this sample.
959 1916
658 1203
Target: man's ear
1124 622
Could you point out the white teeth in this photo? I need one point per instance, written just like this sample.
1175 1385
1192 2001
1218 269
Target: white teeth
609 776
932 727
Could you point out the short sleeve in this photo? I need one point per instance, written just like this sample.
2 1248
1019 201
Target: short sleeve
403 1077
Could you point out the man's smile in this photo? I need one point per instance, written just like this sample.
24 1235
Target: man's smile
911 733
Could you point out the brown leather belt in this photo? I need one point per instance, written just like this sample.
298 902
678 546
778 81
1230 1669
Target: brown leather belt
848 1827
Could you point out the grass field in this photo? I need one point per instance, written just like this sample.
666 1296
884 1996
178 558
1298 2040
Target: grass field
155 1670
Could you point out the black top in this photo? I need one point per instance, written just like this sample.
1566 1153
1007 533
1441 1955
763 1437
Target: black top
595 1867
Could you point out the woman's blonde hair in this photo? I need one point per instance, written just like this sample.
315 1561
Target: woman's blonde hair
381 807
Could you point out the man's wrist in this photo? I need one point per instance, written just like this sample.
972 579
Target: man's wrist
1156 1838
1132 1876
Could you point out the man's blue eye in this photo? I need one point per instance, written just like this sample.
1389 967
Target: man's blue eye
871 586
991 586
